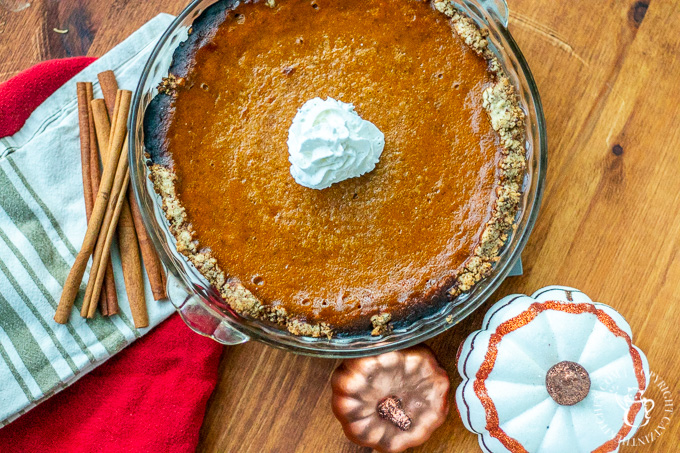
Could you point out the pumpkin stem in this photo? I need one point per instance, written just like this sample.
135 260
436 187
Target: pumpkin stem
390 408
567 383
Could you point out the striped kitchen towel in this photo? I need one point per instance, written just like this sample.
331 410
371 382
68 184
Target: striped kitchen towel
42 225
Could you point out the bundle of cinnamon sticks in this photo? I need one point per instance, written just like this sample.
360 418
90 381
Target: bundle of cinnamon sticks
111 208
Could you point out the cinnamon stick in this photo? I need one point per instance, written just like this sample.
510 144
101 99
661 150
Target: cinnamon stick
84 128
152 264
109 86
102 126
115 144
114 118
132 266
75 276
101 255
127 236
107 307
95 174
154 270
108 301
93 165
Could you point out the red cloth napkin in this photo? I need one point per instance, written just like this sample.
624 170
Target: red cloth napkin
150 397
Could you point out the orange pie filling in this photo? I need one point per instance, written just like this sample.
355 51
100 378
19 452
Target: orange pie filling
426 224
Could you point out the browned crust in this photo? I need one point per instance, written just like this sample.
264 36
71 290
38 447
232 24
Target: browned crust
507 118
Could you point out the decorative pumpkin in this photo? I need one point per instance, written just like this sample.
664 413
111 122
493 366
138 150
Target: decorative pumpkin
554 372
392 401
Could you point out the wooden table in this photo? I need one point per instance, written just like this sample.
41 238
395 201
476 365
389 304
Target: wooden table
609 225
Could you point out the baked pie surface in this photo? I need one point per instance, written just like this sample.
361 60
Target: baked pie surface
425 225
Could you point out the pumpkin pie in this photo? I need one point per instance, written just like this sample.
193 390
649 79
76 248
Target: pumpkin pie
367 253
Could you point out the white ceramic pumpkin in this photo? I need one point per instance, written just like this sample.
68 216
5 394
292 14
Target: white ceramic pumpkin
551 373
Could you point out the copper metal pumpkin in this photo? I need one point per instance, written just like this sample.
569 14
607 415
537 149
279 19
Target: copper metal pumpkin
393 401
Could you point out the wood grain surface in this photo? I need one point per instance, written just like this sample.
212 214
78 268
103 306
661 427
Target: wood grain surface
607 71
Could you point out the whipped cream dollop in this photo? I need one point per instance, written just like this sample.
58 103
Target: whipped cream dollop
328 143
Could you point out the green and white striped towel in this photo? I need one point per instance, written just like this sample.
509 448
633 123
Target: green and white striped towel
42 225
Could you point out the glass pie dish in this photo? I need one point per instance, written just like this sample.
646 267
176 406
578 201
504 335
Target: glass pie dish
203 309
